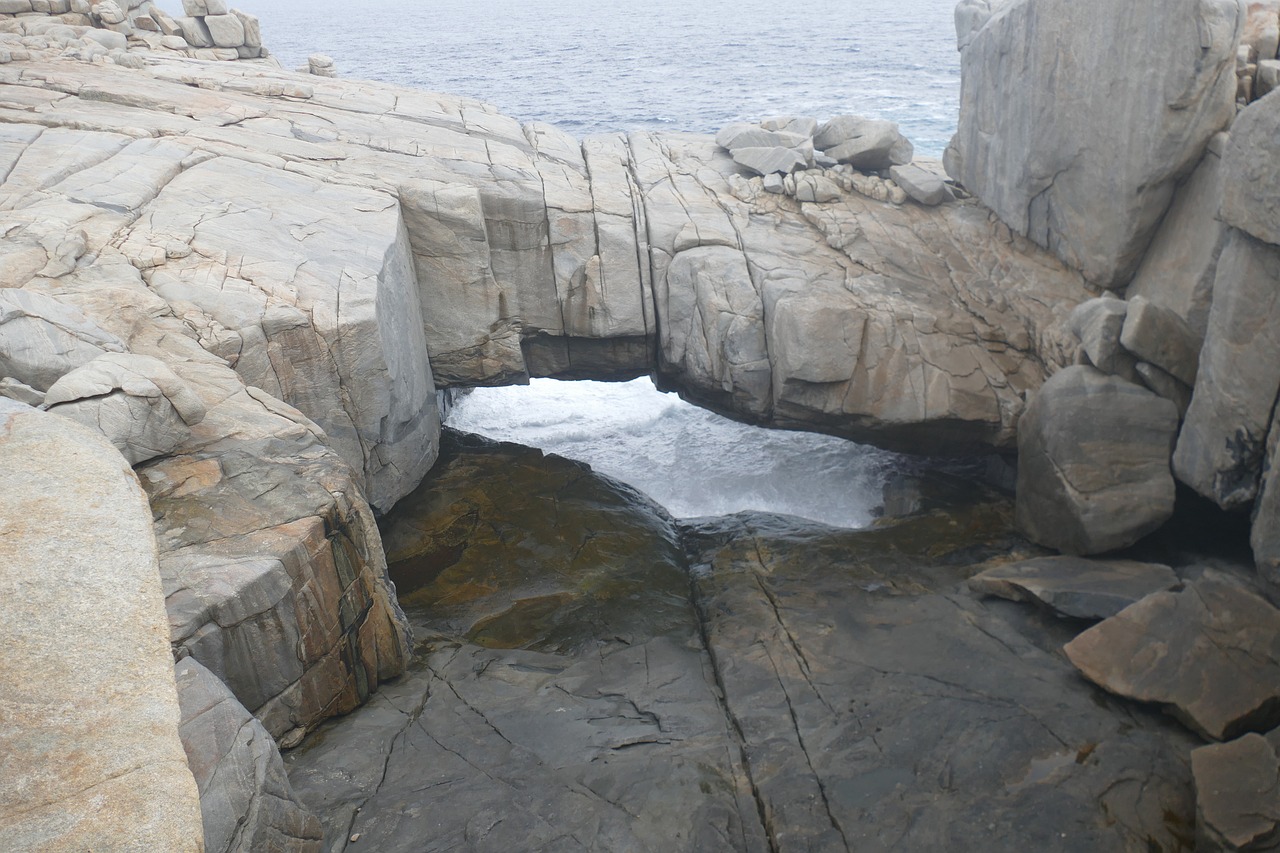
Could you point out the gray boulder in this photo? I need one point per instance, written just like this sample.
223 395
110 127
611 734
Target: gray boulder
766 161
865 144
803 125
1160 337
226 30
1074 586
922 185
1210 652
1178 270
1251 191
136 401
1221 447
745 135
246 801
1089 178
1098 323
1094 473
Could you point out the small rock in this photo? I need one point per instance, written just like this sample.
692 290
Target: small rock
23 393
1097 323
773 183
1157 335
1268 77
1237 796
927 188
1075 586
1210 652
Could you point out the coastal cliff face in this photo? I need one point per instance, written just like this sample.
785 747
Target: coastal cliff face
252 283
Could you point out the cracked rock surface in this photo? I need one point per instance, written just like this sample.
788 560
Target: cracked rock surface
771 685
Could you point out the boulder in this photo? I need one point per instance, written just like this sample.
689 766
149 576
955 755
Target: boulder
1089 178
1093 472
1237 795
200 8
225 30
1251 187
136 401
802 125
195 32
1178 270
1210 653
743 135
922 185
246 801
42 339
816 188
1076 587
1098 324
1222 443
767 161
252 29
1160 337
89 728
1166 385
109 12
865 144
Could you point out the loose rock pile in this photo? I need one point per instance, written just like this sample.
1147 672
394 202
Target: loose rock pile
119 30
810 162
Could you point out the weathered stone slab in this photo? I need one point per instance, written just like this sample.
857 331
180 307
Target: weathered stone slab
1093 473
1075 587
766 161
924 186
1210 653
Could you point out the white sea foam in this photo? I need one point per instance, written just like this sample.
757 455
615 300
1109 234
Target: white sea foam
689 460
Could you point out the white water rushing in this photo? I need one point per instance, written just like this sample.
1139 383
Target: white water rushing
617 65
689 460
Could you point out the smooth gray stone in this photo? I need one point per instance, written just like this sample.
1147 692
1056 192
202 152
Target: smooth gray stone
737 136
1211 653
1178 270
1074 586
1221 447
1251 192
1159 336
226 30
766 161
924 186
246 801
865 144
1089 178
1098 323
1093 473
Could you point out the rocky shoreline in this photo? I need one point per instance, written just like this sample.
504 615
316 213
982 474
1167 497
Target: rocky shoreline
238 292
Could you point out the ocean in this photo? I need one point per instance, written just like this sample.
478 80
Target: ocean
660 65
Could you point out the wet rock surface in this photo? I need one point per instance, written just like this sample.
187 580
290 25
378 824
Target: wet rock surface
1076 587
591 675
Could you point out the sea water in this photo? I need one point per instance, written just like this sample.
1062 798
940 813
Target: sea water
620 65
